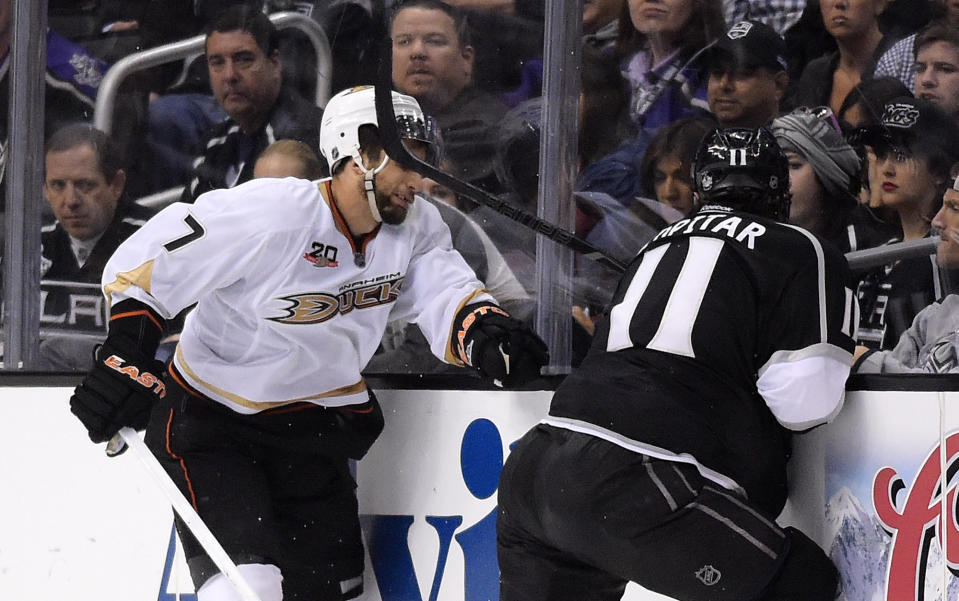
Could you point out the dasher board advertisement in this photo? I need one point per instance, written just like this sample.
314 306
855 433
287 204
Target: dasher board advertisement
890 516
78 525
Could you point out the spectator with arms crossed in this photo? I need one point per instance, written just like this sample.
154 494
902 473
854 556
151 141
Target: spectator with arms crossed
294 282
662 460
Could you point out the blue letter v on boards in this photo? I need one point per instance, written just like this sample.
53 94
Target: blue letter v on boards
387 537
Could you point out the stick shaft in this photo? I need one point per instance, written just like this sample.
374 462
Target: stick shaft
390 138
386 120
189 515
880 255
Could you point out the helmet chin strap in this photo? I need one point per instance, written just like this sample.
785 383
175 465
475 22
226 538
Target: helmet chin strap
369 184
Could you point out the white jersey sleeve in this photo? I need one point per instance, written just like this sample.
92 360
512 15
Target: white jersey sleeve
438 281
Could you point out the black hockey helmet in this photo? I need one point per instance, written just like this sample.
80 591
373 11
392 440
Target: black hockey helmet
742 168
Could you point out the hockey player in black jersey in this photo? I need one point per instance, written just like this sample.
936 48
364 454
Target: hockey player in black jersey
663 458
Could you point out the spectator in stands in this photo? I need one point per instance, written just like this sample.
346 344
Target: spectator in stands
183 108
609 146
658 43
433 62
900 60
622 226
937 66
353 34
747 75
84 186
246 77
824 179
112 29
931 344
506 35
854 24
916 144
862 108
778 14
618 173
603 220
288 158
665 170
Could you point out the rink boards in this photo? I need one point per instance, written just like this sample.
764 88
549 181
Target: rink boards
77 525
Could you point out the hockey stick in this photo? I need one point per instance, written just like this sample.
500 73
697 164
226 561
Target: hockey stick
393 145
874 257
186 512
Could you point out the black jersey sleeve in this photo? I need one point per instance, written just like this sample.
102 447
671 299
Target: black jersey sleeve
812 336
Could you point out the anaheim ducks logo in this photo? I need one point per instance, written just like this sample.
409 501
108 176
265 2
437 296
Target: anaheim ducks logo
317 307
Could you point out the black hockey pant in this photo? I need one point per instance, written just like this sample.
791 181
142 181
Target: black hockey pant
579 517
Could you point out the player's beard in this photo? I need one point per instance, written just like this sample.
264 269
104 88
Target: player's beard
390 212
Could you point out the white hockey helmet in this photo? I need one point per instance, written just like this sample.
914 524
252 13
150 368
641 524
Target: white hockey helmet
355 107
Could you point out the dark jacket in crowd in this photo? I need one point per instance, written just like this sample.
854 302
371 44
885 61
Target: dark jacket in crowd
467 125
59 262
815 85
229 153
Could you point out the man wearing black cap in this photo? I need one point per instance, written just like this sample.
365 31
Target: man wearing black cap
747 75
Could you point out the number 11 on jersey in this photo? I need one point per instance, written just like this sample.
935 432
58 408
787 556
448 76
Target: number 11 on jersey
675 332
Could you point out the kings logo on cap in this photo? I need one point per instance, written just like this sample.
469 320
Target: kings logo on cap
900 115
739 30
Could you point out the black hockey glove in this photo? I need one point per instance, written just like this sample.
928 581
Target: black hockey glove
125 380
119 391
499 346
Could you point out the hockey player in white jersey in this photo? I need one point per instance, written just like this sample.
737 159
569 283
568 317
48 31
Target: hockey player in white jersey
263 404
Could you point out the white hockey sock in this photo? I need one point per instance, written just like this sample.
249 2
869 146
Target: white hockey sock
264 579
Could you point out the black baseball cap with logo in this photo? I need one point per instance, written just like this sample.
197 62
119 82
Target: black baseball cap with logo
920 125
750 44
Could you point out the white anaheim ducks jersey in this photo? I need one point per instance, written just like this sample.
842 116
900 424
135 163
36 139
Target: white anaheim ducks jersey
289 307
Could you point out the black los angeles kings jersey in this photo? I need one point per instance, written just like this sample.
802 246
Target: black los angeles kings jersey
727 330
